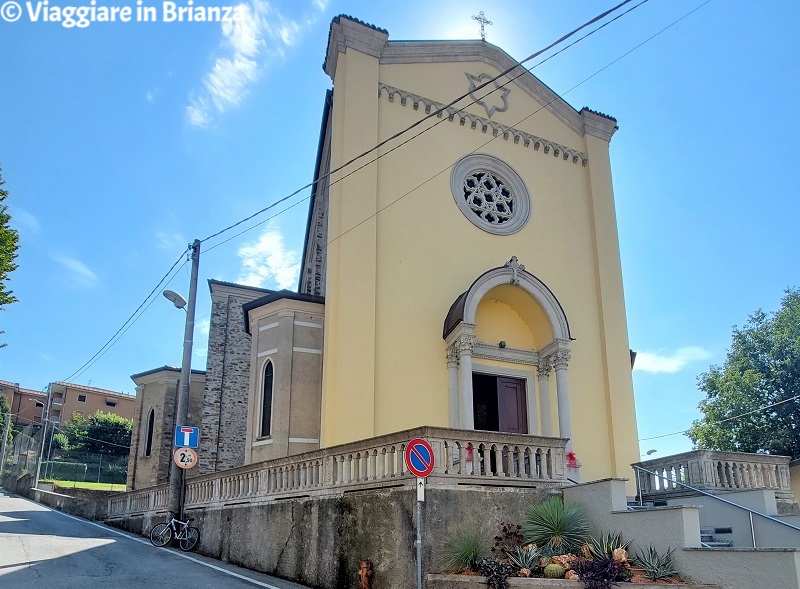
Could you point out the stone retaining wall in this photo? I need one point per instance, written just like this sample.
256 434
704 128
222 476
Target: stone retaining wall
318 542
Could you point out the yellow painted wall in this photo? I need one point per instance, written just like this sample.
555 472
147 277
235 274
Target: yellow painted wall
392 279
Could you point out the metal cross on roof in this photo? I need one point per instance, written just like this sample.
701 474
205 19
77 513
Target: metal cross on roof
481 18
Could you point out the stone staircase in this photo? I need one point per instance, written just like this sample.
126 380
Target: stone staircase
712 537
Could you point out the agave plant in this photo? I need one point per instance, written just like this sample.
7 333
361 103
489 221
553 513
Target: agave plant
556 526
462 552
605 545
656 566
525 557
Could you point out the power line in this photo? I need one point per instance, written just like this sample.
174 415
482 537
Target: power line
132 319
557 96
724 420
438 113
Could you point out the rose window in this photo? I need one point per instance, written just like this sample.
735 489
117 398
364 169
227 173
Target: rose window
488 197
490 194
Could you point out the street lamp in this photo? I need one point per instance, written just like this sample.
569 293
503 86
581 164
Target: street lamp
175 299
176 475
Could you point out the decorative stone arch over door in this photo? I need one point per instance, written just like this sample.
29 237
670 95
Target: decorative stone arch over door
463 345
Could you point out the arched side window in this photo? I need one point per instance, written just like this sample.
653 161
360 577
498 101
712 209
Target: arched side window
148 440
266 401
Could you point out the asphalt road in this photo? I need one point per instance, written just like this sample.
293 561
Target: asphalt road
43 548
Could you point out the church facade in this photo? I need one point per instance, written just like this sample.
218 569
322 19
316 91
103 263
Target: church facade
469 277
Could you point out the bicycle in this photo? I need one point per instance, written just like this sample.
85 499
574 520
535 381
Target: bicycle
163 533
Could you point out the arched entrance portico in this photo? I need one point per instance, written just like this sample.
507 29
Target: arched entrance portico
548 350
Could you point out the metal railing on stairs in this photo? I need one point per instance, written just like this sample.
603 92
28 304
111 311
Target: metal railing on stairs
751 512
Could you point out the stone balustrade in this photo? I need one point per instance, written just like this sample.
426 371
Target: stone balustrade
712 471
460 456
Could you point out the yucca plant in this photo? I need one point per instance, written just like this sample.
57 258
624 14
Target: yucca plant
656 566
525 557
463 551
555 526
605 545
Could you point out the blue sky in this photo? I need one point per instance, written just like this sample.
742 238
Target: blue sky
121 142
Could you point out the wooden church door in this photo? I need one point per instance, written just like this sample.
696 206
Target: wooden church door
512 407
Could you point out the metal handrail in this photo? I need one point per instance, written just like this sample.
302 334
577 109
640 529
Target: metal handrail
752 512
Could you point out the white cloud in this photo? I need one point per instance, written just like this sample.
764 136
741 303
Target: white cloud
203 326
267 260
22 219
170 241
79 273
258 34
670 363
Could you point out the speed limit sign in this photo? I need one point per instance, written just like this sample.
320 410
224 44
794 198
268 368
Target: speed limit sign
185 457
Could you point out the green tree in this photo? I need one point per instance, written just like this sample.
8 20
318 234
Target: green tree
9 243
760 375
5 415
109 434
76 430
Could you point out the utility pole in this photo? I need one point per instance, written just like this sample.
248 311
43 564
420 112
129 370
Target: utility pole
5 443
45 420
176 475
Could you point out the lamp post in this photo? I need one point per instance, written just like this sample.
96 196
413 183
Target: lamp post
45 421
176 475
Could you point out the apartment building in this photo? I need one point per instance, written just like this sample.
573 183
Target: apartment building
68 400
26 405
65 401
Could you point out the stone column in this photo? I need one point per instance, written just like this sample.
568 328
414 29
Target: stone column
560 361
452 376
543 370
465 345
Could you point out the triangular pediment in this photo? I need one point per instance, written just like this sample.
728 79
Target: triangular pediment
348 33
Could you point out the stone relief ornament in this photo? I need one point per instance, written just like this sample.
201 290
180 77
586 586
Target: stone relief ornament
497 97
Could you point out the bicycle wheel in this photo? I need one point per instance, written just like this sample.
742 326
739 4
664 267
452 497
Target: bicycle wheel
160 535
191 539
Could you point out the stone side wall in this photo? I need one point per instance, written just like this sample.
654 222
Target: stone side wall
224 412
319 542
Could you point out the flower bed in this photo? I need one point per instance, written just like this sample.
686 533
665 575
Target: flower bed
476 582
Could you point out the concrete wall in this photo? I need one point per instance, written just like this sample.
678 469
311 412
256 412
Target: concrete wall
769 534
742 568
679 528
318 542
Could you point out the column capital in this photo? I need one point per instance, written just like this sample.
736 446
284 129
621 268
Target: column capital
465 344
544 366
452 356
561 359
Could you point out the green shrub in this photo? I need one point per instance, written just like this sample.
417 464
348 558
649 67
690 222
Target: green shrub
556 527
655 565
463 551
